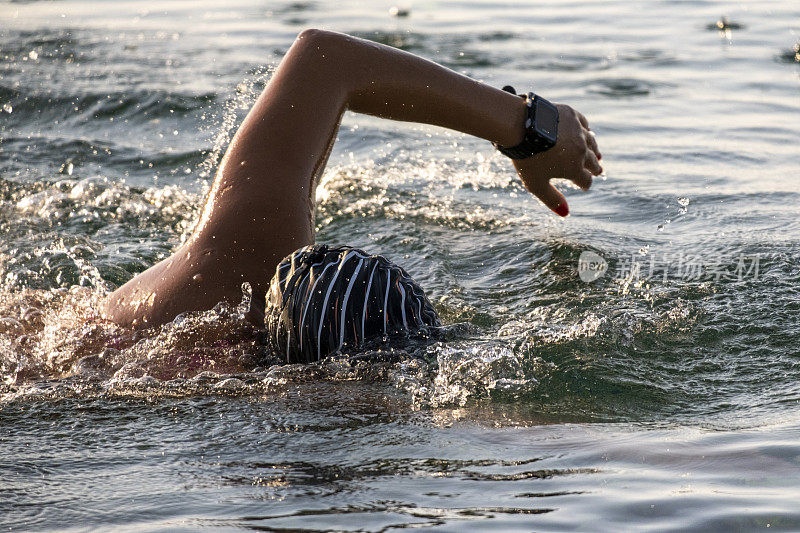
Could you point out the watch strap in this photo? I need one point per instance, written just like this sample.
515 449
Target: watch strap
532 143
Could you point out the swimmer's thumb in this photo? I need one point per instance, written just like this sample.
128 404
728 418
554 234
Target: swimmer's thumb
553 199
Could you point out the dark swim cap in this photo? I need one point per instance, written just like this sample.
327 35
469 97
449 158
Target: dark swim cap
321 299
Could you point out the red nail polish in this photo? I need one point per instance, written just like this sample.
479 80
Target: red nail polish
562 210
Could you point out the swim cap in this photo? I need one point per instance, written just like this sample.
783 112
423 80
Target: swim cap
322 299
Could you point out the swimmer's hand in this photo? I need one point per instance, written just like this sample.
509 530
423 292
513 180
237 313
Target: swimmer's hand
574 157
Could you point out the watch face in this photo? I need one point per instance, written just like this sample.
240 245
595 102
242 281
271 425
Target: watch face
546 119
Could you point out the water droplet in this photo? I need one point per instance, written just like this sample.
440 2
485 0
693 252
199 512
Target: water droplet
7 108
684 201
33 54
67 168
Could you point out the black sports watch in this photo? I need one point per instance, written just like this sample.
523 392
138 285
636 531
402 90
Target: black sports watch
541 127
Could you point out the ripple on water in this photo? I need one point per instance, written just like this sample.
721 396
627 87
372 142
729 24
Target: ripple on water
623 87
78 108
566 62
452 50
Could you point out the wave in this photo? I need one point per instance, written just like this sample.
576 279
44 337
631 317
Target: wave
135 105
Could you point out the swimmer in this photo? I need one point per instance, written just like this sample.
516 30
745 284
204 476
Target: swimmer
257 225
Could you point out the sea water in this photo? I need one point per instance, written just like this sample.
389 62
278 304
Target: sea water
634 366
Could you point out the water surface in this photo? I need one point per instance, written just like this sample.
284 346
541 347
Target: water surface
662 395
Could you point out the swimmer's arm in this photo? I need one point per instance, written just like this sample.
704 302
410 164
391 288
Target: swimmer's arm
390 83
261 205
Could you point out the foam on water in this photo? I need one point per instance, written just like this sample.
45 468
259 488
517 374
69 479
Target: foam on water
575 345
55 344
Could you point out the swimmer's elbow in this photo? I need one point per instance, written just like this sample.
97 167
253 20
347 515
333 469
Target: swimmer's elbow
310 34
316 38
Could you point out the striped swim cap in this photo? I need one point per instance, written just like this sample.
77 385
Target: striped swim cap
322 299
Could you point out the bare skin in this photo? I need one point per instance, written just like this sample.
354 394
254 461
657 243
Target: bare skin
261 205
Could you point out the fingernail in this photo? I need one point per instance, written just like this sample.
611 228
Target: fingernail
599 156
562 210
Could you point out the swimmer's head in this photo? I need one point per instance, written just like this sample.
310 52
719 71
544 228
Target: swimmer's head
322 299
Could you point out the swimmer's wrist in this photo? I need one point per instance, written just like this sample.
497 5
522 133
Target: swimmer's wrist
541 127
